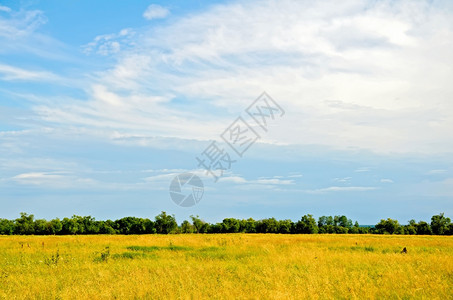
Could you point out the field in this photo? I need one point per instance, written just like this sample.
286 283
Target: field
226 266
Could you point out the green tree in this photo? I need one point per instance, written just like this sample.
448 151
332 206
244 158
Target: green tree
230 225
411 227
248 226
355 229
330 221
285 226
70 226
322 221
107 227
423 228
307 224
25 224
187 227
387 226
165 224
270 225
89 224
150 226
450 229
41 227
439 224
7 227
343 221
199 225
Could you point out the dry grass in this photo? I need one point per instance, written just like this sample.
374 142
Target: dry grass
226 266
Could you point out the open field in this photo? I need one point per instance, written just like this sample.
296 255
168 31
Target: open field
226 266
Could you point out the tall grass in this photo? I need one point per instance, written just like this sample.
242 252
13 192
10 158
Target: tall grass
233 266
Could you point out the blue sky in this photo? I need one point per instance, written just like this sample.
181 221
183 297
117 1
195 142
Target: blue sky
103 103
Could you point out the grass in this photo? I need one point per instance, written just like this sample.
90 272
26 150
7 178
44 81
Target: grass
243 266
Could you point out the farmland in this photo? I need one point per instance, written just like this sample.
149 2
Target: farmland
226 266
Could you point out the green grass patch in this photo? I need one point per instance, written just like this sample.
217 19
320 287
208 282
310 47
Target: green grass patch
157 248
129 255
366 248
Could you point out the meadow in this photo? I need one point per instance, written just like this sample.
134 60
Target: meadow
226 266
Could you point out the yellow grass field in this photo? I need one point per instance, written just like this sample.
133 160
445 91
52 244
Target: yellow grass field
244 266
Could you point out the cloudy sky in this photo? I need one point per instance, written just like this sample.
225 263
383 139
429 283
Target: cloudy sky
103 103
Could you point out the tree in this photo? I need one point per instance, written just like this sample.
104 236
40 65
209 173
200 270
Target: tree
78 224
439 224
364 230
423 228
41 227
330 221
343 221
70 226
25 224
285 226
165 224
411 227
341 230
200 226
248 226
450 229
389 226
107 227
7 227
89 224
230 225
307 224
355 228
150 226
322 221
267 226
186 227
215 228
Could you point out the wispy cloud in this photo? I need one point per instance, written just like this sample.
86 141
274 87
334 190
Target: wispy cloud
108 44
136 110
333 189
343 180
5 8
221 58
155 11
8 72
54 180
263 181
386 180
438 171
20 24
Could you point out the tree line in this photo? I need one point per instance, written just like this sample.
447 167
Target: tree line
164 224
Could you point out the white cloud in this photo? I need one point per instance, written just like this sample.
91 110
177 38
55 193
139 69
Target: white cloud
295 176
108 44
344 180
20 24
260 181
5 8
155 11
386 180
167 171
435 172
274 181
14 73
219 60
342 189
58 180
27 176
233 179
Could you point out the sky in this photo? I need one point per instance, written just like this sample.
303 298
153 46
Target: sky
104 103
